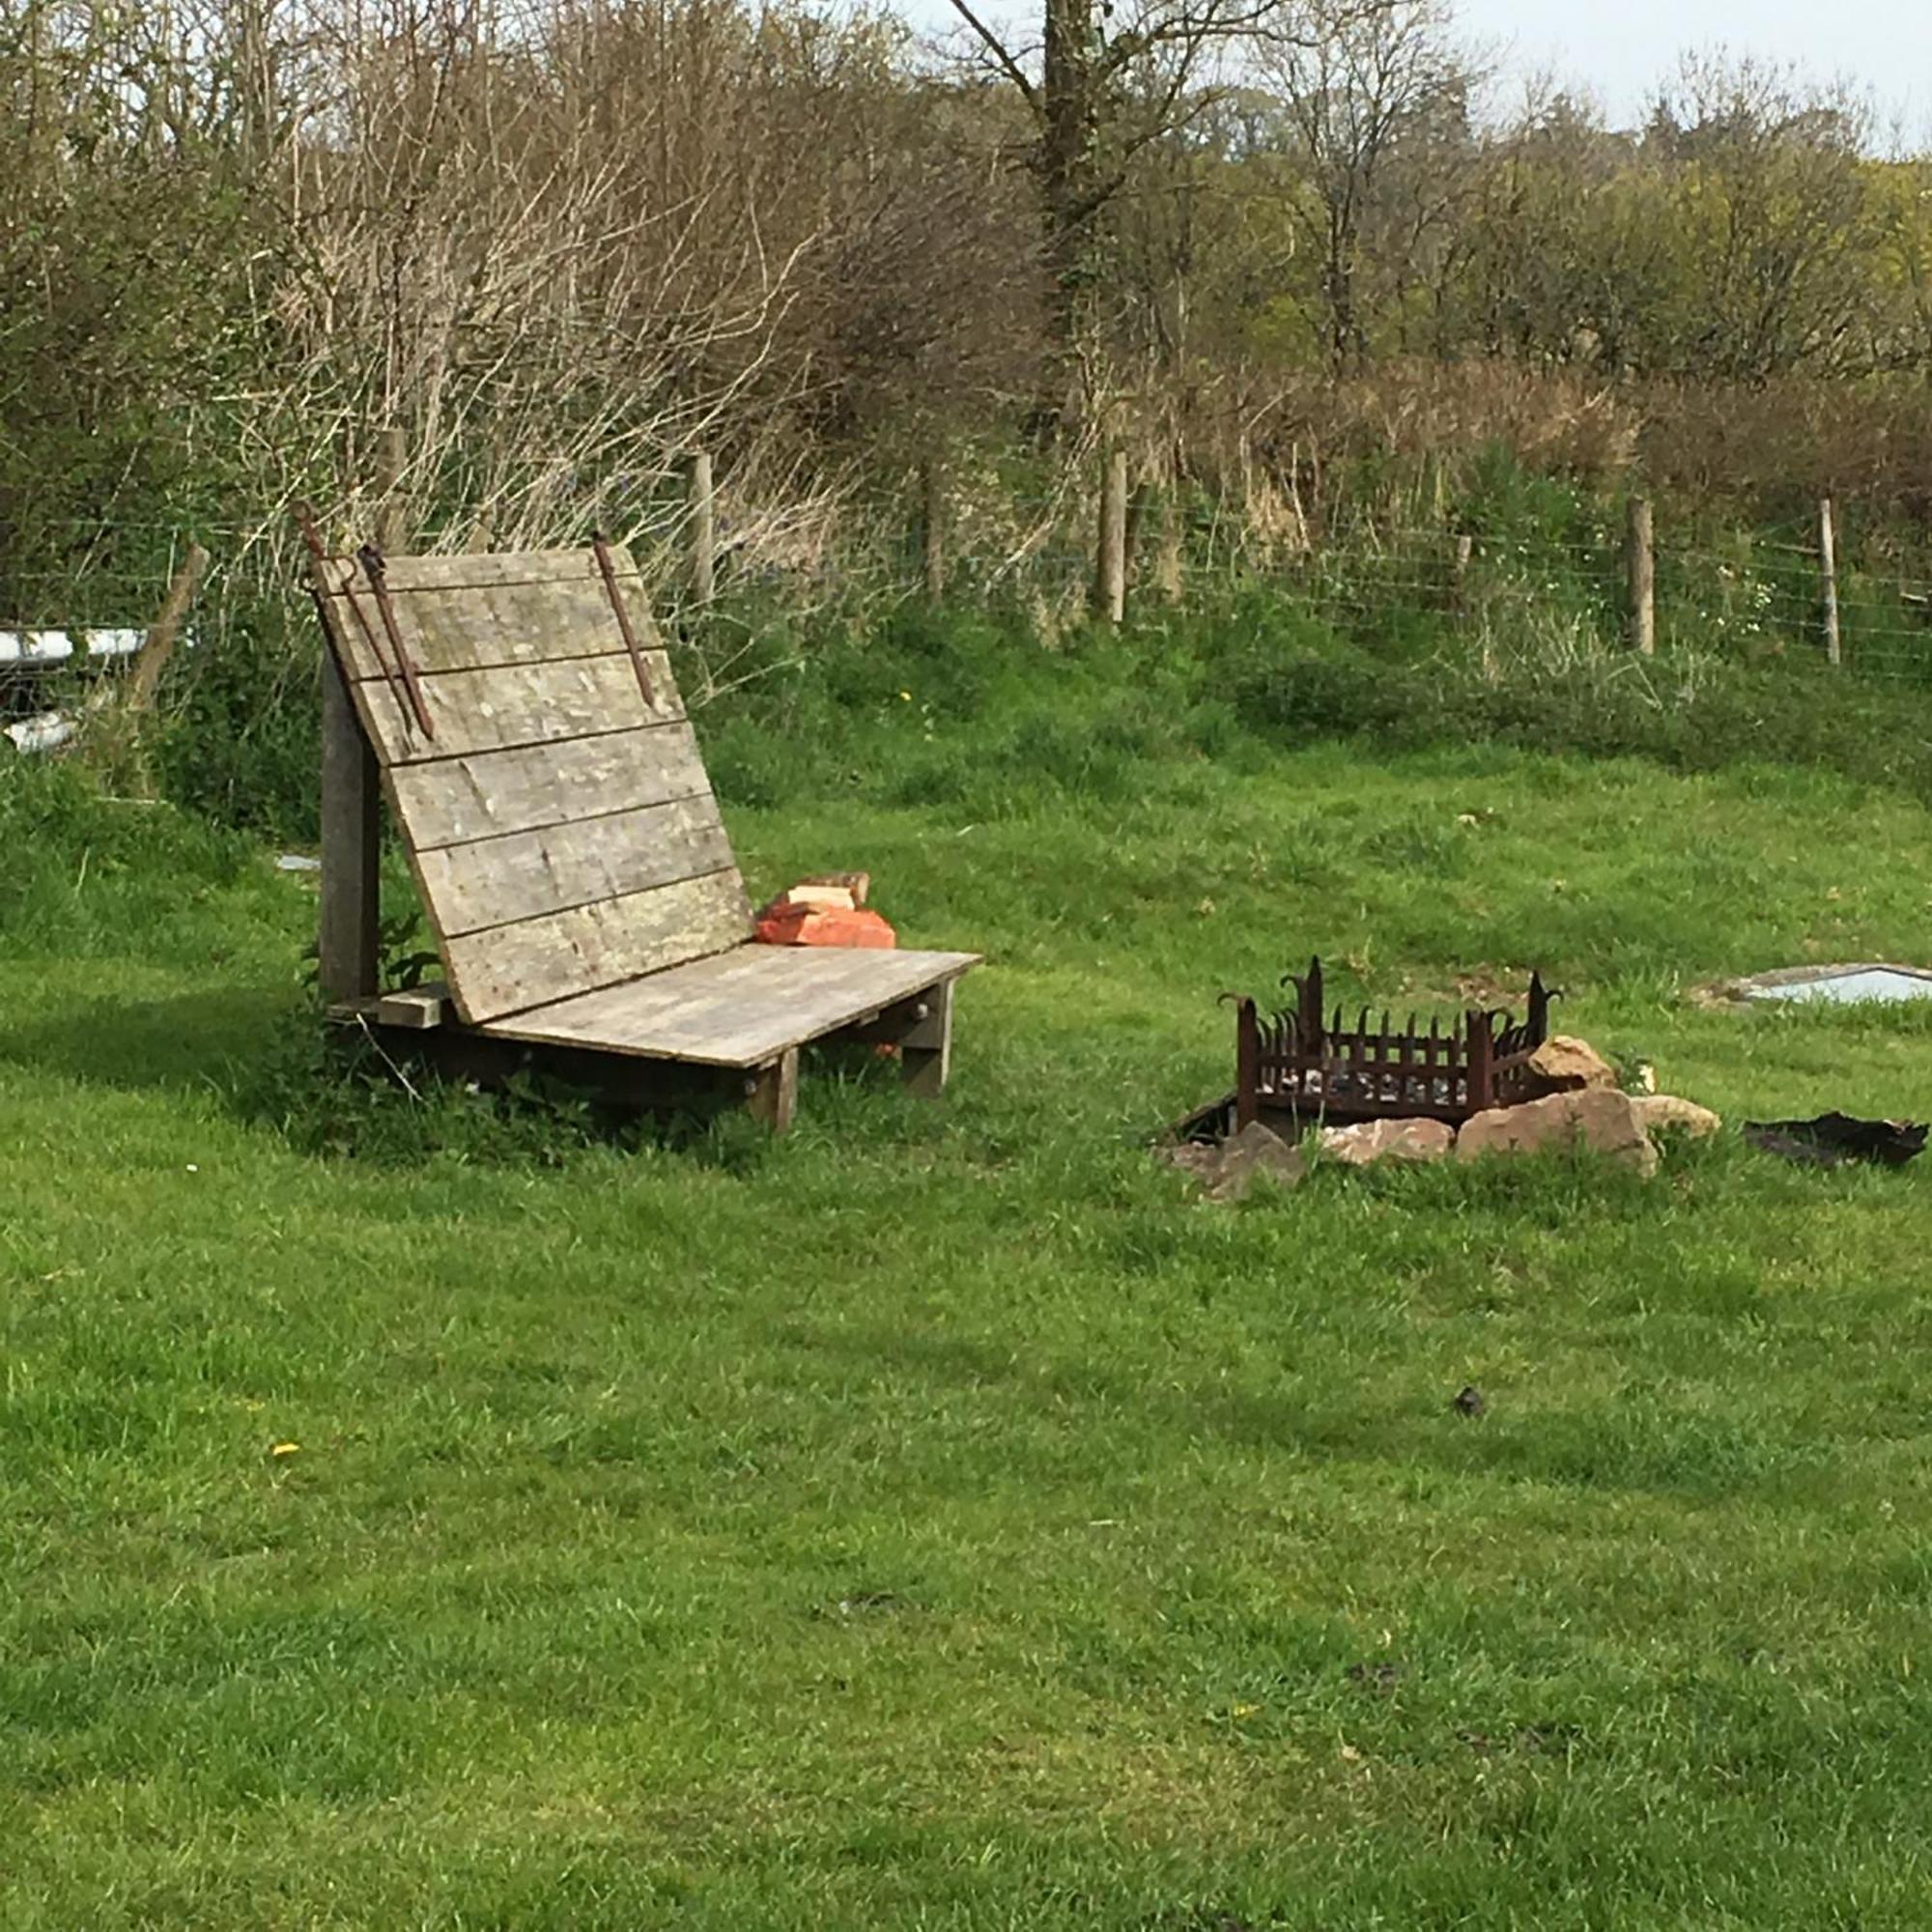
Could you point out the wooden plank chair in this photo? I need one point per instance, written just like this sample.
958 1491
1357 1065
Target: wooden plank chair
521 716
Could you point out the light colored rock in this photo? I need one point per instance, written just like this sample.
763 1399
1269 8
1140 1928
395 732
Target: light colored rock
1564 1064
1367 1142
1665 1112
1597 1118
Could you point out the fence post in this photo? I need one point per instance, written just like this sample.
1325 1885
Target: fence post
1110 577
1640 573
932 528
158 646
1459 575
1827 572
703 529
1166 556
392 458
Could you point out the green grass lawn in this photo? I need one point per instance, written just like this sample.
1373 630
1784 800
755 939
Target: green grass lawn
942 1517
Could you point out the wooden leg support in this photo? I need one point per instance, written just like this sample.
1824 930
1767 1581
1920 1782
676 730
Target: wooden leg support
926 1047
773 1092
352 851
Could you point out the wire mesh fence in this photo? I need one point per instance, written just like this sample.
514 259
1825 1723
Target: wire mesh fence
80 611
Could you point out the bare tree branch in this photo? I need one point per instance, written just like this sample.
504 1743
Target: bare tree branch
1004 60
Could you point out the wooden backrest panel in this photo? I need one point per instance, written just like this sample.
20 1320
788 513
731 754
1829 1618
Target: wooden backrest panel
524 874
454 800
516 705
561 826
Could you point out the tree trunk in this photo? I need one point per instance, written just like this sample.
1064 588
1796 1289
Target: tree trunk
1338 280
1066 164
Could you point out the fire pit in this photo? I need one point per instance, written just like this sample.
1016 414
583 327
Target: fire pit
1294 1064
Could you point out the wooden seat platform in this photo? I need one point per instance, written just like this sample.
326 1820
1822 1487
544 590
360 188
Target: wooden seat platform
739 1008
523 718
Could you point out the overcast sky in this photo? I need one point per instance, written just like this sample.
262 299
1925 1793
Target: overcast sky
1620 49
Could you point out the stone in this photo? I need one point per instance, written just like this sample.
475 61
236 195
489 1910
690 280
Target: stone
1666 1113
1256 1152
1564 1064
1597 1118
1227 1169
1200 1158
1367 1142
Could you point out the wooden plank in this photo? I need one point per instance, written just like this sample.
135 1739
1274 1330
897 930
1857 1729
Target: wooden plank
497 567
478 628
812 988
812 997
526 874
523 791
683 1003
743 1007
667 1004
507 969
416 1007
518 705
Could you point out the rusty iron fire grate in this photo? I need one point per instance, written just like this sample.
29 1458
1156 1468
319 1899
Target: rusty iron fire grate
1297 1064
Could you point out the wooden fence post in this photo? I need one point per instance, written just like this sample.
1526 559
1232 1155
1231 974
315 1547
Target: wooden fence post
1641 574
348 944
1827 572
932 528
1167 552
1459 575
122 729
393 460
158 646
1110 576
703 529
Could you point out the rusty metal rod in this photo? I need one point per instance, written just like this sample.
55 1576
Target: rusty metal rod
323 589
602 551
373 568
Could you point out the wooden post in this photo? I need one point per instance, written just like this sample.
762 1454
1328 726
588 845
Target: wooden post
1167 558
926 1047
122 726
1110 577
1139 498
1459 575
350 946
158 646
703 529
1640 573
350 943
392 532
1827 572
772 1091
932 528
392 458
